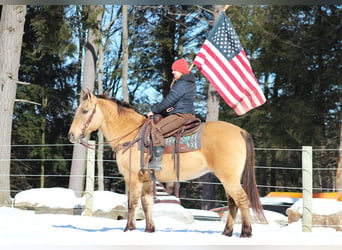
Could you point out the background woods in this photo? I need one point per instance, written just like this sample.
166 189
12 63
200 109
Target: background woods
295 52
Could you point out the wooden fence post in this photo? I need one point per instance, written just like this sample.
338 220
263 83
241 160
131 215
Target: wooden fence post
90 176
307 188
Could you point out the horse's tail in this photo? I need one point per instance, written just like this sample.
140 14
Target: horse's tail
248 179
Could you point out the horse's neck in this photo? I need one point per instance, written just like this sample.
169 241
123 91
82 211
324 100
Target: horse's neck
116 125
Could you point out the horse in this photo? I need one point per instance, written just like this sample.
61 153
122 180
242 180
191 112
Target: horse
226 150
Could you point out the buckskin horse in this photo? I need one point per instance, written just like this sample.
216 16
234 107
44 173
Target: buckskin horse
226 150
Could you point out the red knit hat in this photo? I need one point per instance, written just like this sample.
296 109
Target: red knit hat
181 65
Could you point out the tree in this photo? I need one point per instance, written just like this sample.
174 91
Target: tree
46 63
125 53
213 104
11 33
339 167
95 13
294 54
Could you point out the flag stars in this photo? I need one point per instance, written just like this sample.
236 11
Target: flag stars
225 39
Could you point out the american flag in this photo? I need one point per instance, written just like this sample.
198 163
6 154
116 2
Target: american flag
223 61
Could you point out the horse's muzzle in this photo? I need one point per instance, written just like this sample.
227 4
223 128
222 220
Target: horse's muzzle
72 138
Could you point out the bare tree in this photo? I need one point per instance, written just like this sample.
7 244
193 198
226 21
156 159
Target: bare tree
125 53
11 34
100 137
213 104
103 46
339 167
77 172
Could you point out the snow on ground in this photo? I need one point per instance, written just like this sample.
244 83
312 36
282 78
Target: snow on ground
27 229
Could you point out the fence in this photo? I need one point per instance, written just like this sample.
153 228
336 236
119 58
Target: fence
306 170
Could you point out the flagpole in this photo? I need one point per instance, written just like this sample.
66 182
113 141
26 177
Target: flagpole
191 66
226 7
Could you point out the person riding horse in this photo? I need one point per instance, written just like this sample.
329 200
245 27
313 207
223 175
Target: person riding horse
177 108
226 150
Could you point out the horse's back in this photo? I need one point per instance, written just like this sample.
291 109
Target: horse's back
220 131
223 141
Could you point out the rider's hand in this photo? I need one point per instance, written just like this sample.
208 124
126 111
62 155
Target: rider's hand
150 114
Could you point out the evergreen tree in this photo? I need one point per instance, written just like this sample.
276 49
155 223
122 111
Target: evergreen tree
294 53
47 64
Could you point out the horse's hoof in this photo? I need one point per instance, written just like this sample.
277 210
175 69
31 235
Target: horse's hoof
128 229
246 235
227 232
150 230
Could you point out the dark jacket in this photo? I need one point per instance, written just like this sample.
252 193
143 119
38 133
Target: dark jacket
180 99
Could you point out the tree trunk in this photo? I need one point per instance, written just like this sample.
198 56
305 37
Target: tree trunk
99 155
77 172
125 54
339 167
208 190
42 141
11 34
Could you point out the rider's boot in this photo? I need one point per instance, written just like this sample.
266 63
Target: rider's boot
157 154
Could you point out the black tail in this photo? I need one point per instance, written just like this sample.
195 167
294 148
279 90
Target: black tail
248 179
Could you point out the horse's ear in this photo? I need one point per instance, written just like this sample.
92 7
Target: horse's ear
91 96
83 95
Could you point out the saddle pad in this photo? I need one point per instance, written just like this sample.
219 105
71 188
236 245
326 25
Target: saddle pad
187 143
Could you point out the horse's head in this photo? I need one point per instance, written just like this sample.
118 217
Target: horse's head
87 118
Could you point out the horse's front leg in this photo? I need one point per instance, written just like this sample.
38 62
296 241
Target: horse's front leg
133 186
147 201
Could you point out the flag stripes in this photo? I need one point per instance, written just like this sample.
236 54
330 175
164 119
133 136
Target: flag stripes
232 78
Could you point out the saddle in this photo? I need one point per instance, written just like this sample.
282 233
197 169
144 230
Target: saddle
188 129
173 140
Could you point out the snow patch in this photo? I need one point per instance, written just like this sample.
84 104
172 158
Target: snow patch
47 197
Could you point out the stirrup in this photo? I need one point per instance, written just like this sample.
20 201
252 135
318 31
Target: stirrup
155 165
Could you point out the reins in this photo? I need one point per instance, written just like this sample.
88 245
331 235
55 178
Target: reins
117 147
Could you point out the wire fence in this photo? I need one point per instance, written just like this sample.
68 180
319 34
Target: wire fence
268 179
258 167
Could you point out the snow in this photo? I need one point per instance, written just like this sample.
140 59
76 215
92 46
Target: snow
106 200
23 228
48 197
277 200
321 206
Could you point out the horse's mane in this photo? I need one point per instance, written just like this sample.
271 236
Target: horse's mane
122 105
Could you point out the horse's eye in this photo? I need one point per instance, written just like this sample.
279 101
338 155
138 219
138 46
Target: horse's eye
84 111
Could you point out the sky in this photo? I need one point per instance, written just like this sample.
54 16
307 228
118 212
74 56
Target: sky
23 229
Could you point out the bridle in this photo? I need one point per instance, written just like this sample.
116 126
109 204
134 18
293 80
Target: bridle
125 145
86 124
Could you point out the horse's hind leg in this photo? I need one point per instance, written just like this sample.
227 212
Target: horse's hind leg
232 211
147 202
240 199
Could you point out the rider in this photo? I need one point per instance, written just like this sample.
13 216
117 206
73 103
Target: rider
177 107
